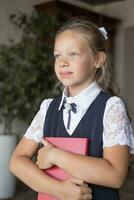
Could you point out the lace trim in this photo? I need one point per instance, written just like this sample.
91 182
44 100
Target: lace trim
35 130
117 127
121 140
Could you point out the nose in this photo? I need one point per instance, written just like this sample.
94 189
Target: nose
63 63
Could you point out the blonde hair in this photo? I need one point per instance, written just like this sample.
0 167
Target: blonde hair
97 42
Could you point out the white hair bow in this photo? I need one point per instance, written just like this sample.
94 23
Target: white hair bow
104 32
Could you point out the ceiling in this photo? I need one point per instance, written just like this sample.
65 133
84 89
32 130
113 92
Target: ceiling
97 2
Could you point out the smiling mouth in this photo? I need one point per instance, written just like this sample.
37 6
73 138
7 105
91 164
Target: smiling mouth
65 74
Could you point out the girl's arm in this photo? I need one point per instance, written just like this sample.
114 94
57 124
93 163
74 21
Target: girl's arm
22 166
111 170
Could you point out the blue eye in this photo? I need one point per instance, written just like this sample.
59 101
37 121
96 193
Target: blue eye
56 56
74 54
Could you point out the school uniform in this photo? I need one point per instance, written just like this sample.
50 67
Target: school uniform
89 121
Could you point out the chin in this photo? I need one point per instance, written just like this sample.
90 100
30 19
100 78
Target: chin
66 82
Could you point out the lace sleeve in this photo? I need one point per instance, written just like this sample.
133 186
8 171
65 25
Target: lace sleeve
117 127
35 130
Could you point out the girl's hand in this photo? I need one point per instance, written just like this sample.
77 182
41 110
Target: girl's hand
75 189
43 157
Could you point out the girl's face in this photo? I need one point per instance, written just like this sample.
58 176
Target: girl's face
75 64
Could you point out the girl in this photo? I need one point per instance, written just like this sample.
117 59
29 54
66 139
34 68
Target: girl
81 65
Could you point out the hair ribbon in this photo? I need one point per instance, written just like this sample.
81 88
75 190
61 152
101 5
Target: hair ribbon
103 32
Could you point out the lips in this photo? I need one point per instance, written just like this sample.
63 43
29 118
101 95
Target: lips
65 74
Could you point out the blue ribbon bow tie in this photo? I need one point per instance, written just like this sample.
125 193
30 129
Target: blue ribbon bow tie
69 107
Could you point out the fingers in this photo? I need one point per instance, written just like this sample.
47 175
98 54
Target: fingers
85 184
87 197
87 193
39 165
77 181
86 190
44 142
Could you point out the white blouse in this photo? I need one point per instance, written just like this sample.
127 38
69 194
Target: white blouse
116 125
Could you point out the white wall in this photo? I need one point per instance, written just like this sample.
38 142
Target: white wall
8 7
123 10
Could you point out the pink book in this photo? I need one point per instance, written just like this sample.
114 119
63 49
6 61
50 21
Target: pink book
74 145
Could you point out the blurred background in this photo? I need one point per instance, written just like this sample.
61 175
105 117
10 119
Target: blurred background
27 31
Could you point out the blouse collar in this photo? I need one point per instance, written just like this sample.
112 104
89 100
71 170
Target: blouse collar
84 98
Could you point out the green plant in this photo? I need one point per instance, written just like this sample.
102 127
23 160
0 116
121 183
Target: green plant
26 68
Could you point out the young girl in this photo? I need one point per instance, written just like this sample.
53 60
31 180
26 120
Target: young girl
89 107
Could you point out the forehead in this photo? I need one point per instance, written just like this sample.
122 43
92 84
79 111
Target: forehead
72 39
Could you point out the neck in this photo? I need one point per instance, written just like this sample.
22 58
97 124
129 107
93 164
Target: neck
73 91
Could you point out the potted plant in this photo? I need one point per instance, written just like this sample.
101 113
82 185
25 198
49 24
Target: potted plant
7 114
26 78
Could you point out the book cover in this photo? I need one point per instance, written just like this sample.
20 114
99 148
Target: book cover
74 145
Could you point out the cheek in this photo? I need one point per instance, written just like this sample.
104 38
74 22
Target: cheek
55 69
85 68
56 64
82 66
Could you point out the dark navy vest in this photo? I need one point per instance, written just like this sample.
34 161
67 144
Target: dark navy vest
90 126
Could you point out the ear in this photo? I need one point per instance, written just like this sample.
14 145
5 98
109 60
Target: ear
100 59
